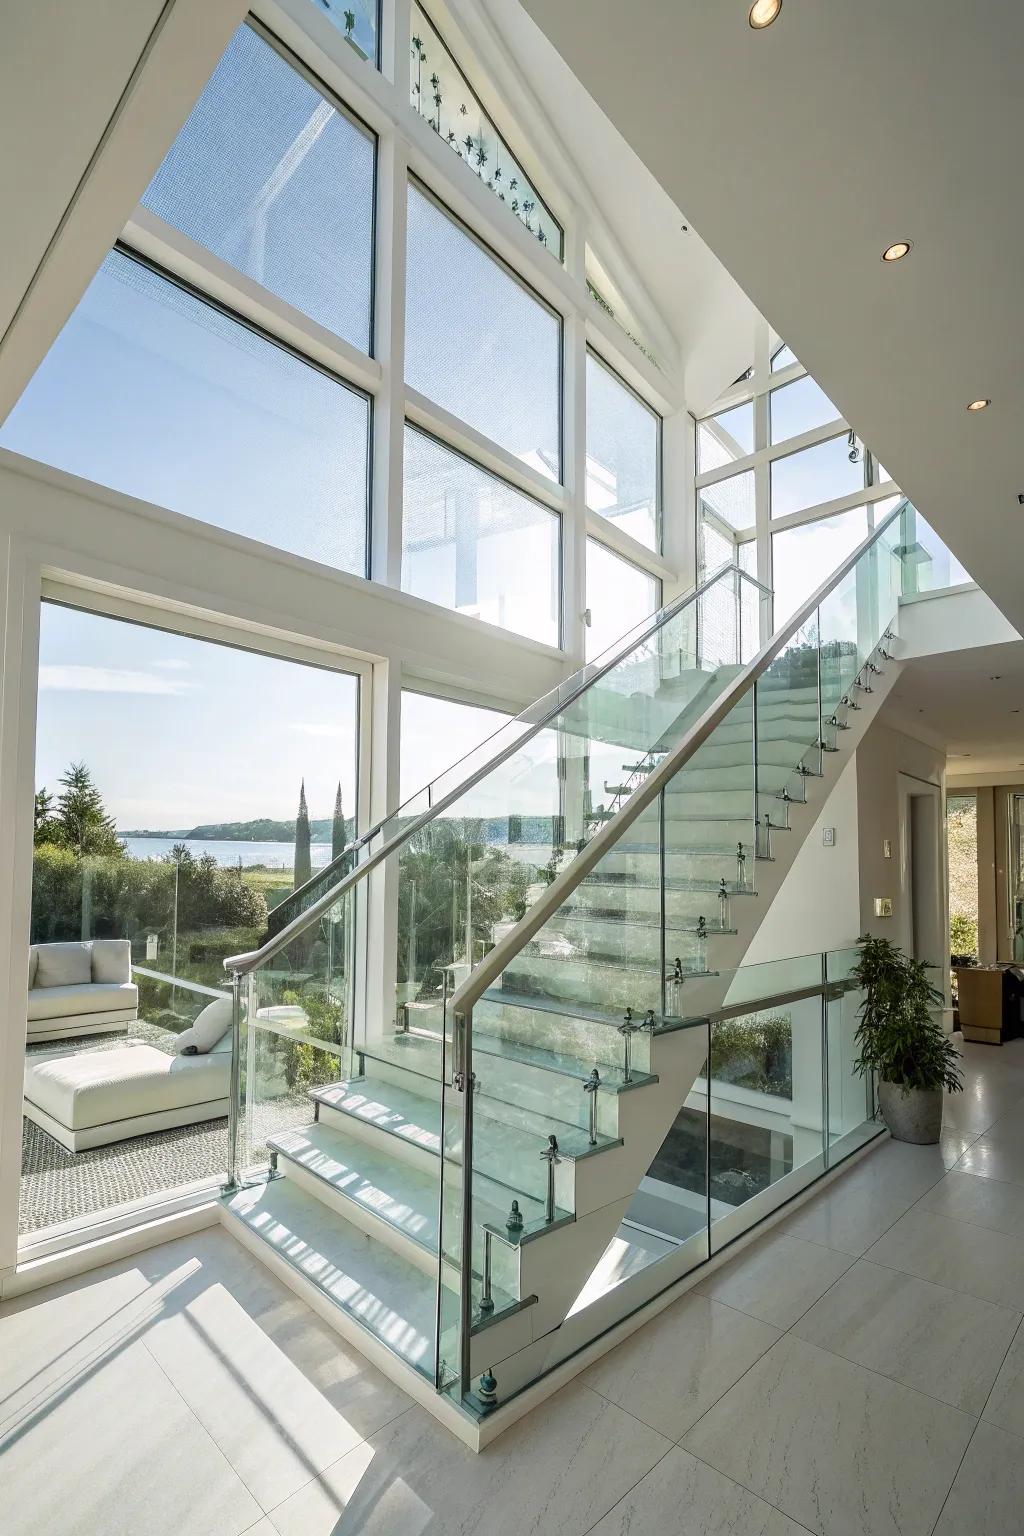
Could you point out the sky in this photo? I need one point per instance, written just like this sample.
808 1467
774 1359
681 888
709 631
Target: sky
178 732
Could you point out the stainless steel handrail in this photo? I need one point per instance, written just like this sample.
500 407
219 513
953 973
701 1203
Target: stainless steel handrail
494 963
583 679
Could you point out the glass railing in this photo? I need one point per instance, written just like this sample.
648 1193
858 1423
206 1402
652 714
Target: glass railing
928 565
526 1005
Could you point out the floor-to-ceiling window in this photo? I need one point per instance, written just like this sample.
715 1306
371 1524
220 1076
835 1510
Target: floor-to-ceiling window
164 836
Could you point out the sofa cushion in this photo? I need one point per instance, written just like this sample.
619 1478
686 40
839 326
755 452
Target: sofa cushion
208 1029
89 997
111 960
98 1087
63 965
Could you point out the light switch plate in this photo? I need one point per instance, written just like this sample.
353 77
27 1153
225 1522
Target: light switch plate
883 906
886 848
828 836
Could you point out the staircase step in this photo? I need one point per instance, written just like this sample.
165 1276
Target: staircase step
505 1153
618 983
390 1191
560 1063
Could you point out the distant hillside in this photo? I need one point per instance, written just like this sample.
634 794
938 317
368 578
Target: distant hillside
262 830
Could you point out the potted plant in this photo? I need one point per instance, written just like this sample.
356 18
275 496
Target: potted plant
900 1039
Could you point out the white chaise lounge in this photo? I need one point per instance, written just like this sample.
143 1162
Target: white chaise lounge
80 989
91 1098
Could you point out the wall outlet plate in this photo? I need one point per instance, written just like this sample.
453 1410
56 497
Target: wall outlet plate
886 847
828 836
883 906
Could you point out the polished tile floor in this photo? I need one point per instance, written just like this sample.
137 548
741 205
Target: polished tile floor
858 1372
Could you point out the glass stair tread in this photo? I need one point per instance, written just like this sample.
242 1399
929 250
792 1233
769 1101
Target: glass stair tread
499 1148
386 1294
691 884
514 1051
513 998
396 1193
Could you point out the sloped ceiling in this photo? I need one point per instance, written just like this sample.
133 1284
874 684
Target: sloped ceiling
798 154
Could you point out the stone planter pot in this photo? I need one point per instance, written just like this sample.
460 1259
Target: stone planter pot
917 1117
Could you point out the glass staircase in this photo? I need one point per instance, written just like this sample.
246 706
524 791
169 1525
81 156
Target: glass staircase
461 1050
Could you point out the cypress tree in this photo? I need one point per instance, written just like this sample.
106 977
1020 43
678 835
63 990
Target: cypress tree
339 836
303 859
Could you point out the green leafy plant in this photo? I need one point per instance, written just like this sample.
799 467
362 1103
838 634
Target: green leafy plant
963 934
898 1035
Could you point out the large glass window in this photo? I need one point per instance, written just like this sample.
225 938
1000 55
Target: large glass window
623 455
438 733
164 835
619 595
724 438
731 501
442 95
274 179
152 392
358 21
478 343
962 840
799 407
473 543
805 556
814 475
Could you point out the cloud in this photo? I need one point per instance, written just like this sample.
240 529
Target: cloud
173 664
75 679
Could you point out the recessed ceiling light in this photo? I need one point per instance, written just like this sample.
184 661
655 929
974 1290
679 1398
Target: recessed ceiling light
898 251
763 13
978 405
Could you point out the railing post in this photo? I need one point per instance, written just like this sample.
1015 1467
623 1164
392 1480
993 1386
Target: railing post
463 1080
821 722
235 1089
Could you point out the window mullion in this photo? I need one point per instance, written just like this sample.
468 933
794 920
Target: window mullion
389 326
574 520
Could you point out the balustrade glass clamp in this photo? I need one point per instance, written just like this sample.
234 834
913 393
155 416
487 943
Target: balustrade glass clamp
626 1030
486 1298
487 1389
723 904
885 655
551 1157
591 1085
741 860
872 668
273 1164
702 944
514 1219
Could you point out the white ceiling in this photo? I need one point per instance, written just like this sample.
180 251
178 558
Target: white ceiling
799 153
708 314
969 703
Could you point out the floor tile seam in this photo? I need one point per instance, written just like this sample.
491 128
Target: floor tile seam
787 1327
325 1471
632 1487
958 1221
956 1474
739 1484
995 1378
202 1427
937 1285
857 1366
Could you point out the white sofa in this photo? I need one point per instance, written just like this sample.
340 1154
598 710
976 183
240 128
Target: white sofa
91 1098
80 989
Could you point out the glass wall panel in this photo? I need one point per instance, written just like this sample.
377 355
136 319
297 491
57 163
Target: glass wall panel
731 500
478 343
724 438
929 565
804 557
619 595
783 358
472 543
359 23
152 392
799 407
273 179
163 827
623 455
814 475
441 94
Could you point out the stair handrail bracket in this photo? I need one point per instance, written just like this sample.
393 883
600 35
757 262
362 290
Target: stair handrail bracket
486 973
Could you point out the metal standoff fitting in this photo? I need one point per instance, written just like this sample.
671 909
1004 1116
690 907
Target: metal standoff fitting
591 1086
551 1157
626 1030
650 1022
486 1298
514 1219
741 860
487 1389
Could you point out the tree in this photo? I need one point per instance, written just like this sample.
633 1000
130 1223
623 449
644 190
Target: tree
83 822
339 835
303 858
46 828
